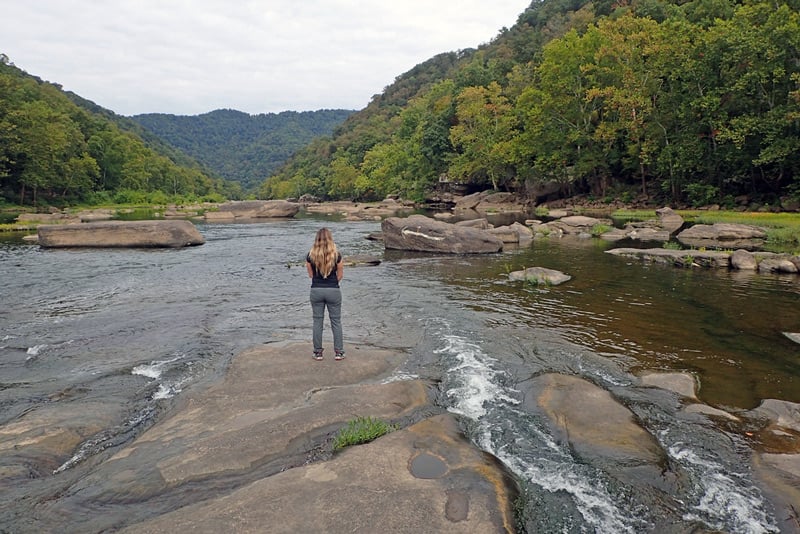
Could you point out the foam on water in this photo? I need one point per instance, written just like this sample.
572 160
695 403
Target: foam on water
477 382
477 387
34 351
154 369
725 499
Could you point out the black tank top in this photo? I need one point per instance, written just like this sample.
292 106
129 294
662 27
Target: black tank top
324 281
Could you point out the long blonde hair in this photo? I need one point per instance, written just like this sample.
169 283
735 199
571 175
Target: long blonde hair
324 253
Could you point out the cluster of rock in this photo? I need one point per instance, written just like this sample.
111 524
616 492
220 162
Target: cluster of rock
357 211
742 260
475 236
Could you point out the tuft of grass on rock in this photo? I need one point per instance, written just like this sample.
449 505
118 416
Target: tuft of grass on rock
361 430
600 229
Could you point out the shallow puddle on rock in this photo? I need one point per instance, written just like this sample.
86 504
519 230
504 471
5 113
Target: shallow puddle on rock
428 466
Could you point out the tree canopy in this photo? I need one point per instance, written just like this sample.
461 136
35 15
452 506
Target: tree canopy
238 146
687 102
57 148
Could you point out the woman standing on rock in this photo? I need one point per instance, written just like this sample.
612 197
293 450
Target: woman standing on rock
325 268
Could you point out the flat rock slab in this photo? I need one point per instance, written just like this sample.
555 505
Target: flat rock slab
252 452
680 258
111 234
366 488
723 235
255 209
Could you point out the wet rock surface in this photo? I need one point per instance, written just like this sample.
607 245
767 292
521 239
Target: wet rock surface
253 453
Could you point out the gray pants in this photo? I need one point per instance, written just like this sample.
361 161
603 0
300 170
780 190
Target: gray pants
330 297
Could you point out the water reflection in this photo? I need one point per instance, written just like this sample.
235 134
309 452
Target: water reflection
724 326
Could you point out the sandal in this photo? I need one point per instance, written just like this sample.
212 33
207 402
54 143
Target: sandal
339 355
318 355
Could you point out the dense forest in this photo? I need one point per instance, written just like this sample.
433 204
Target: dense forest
57 148
682 102
241 147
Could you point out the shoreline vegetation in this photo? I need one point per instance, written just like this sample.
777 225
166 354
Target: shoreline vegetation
782 228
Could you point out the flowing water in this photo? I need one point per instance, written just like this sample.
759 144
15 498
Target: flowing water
115 337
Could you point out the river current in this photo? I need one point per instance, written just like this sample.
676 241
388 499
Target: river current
119 335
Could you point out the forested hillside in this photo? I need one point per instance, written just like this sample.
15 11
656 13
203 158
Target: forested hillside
241 147
679 102
57 148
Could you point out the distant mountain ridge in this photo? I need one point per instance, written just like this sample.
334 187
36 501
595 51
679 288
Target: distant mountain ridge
242 147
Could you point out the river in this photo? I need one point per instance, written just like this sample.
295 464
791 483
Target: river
119 335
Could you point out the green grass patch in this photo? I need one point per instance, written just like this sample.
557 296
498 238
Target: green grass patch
541 211
633 215
600 229
361 430
783 229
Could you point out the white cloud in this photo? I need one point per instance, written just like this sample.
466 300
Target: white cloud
190 57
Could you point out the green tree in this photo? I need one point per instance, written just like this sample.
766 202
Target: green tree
483 136
559 140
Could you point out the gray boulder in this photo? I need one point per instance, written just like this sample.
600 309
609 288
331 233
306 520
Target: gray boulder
166 234
784 414
423 234
669 220
777 264
743 260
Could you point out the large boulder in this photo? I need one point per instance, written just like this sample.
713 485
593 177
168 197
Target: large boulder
669 220
781 263
743 260
423 234
723 235
165 234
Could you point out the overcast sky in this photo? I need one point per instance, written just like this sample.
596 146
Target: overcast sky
259 56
